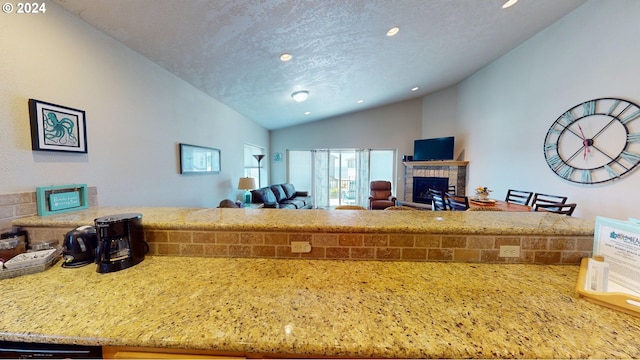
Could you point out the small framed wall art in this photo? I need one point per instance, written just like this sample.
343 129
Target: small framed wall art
199 159
57 128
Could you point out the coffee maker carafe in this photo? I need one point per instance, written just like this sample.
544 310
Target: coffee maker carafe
120 242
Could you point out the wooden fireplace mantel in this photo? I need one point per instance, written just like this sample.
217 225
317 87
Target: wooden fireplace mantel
436 163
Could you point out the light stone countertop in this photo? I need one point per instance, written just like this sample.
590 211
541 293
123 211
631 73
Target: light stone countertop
458 222
329 308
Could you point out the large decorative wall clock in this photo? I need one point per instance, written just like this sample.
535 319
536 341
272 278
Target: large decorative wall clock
595 141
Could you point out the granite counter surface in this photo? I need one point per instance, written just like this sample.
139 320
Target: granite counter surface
458 222
329 308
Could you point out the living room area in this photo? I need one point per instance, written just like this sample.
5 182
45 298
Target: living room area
498 123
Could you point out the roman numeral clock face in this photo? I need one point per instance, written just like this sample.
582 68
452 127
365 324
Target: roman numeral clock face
594 142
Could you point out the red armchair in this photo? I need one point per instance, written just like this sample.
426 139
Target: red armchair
380 197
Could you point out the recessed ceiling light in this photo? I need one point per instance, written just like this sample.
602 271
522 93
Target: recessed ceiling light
360 101
300 96
394 30
307 112
286 57
415 88
509 3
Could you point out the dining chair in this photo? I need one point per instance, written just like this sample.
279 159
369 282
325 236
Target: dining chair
518 196
439 200
457 202
547 199
558 208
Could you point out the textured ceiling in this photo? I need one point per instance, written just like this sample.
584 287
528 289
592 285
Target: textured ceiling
231 49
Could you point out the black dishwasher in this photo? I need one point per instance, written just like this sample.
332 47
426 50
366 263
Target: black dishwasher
21 350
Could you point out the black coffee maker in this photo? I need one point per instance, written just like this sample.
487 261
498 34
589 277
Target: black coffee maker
120 242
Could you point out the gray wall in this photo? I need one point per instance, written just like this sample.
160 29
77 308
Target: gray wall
136 114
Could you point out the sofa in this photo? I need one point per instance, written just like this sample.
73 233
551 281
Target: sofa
282 196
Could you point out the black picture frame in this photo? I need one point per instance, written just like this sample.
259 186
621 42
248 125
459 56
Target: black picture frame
57 128
199 159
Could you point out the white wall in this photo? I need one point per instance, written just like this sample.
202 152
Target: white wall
440 119
136 115
388 127
506 108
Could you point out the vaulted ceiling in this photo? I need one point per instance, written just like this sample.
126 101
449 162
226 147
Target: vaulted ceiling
340 52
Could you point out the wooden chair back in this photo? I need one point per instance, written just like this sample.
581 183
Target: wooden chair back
547 199
439 202
518 196
558 208
457 202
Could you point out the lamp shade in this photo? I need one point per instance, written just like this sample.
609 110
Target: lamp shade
247 183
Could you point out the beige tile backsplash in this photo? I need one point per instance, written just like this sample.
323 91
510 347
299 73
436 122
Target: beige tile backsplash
17 205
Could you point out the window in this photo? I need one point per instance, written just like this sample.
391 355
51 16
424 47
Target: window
253 168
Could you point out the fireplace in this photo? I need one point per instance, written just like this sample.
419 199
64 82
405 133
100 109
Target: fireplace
449 174
421 186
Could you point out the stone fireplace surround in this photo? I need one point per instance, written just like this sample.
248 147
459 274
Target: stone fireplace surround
455 171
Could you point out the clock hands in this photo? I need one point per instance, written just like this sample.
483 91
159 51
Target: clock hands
585 143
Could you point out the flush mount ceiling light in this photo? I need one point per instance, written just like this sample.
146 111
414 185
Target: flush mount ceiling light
300 96
394 30
415 88
360 101
509 3
285 57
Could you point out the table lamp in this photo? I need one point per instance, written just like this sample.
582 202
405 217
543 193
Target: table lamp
246 184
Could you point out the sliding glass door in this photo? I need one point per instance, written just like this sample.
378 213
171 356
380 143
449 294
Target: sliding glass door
340 176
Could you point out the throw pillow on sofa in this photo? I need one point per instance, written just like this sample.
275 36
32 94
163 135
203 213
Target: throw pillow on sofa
290 190
278 192
264 195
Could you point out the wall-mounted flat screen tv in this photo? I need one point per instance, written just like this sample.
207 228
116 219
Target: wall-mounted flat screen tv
433 149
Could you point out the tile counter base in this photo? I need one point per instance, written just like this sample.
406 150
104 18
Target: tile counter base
457 236
534 249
